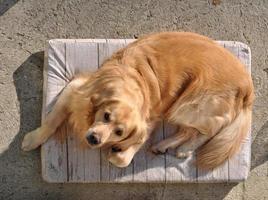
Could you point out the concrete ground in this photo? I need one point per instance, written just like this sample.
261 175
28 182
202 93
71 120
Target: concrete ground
26 25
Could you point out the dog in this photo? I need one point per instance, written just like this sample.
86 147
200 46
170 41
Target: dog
184 78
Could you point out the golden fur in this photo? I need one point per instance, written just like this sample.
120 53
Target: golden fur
185 78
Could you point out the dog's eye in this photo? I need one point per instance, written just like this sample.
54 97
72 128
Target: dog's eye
107 117
119 132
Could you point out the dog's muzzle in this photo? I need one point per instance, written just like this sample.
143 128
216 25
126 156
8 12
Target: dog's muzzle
93 139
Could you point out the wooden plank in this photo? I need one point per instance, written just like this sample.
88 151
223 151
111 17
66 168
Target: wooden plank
239 165
140 169
103 54
118 174
53 153
75 154
76 163
91 156
128 41
218 174
156 163
148 167
140 165
172 173
108 171
230 170
178 170
84 164
80 40
188 169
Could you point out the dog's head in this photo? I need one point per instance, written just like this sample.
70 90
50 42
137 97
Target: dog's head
117 112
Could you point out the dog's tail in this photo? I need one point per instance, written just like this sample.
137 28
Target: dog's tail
226 143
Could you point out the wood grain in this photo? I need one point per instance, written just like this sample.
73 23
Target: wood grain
239 164
182 170
84 164
156 171
53 153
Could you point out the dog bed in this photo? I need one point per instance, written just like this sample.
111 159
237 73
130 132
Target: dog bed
67 162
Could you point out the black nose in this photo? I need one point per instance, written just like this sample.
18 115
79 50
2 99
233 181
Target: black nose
93 139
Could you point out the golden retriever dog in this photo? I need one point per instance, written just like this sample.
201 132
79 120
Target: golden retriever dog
184 78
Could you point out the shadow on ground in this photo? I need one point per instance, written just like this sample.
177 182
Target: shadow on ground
6 4
259 147
20 172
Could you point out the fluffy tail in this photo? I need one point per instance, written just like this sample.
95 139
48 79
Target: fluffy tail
226 143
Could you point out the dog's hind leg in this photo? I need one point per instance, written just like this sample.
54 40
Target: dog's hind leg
181 136
123 158
186 149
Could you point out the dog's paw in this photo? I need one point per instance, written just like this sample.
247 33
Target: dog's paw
118 159
158 149
183 154
31 140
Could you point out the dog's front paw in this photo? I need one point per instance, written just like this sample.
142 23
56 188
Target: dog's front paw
118 158
31 140
158 149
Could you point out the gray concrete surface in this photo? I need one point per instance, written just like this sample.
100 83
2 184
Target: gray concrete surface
26 25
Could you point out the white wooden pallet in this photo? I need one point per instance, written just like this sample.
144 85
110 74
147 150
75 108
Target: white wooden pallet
66 162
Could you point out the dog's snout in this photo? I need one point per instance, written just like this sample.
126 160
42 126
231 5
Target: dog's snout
93 139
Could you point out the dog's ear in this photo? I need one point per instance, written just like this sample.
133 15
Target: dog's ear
140 133
95 98
103 94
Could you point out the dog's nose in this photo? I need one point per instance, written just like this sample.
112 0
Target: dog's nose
93 139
